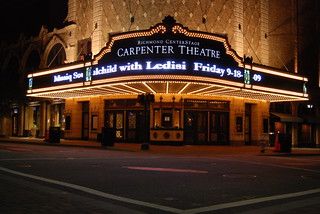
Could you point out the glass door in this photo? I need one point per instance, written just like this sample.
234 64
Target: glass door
202 127
214 127
195 127
115 120
135 126
131 126
189 127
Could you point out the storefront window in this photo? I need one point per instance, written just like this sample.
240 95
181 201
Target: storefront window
57 117
94 122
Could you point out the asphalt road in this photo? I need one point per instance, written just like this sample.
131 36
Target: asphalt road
56 179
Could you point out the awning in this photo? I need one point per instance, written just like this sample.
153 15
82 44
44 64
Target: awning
286 117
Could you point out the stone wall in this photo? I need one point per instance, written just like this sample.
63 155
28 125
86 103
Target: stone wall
263 29
244 22
281 34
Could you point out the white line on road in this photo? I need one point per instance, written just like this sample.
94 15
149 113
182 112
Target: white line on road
251 201
94 192
160 207
282 166
269 164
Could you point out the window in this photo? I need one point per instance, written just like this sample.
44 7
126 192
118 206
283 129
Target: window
167 120
94 122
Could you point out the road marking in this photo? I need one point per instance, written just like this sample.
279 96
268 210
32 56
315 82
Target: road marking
297 158
160 207
269 164
282 166
166 169
250 201
94 192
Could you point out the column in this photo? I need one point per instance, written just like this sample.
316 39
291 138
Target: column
238 22
264 14
97 40
43 119
21 119
71 40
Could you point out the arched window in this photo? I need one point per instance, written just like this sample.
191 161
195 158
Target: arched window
57 56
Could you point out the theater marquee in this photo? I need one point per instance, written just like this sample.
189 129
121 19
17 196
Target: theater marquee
172 55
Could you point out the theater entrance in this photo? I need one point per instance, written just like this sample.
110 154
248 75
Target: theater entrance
206 122
206 127
128 125
115 121
126 118
135 126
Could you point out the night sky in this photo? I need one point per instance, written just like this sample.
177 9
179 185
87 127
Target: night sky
27 16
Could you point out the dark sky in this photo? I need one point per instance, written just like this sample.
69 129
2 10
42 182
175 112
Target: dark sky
27 16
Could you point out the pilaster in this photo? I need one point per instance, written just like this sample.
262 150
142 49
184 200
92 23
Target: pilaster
238 26
72 10
264 29
97 41
43 119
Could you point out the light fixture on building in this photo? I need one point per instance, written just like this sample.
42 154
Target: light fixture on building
309 106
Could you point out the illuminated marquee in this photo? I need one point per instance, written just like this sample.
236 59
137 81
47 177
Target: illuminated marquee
168 49
167 66
56 79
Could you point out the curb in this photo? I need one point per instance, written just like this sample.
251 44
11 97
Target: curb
43 143
163 149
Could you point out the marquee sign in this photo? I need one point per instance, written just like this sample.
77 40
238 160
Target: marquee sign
167 48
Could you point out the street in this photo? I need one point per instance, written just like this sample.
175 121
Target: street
57 179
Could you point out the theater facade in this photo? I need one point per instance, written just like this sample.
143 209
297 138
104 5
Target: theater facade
166 84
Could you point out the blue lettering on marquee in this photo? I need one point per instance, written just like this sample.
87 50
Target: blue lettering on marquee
67 77
169 65
257 77
222 72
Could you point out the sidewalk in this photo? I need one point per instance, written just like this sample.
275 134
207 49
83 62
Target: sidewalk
193 150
